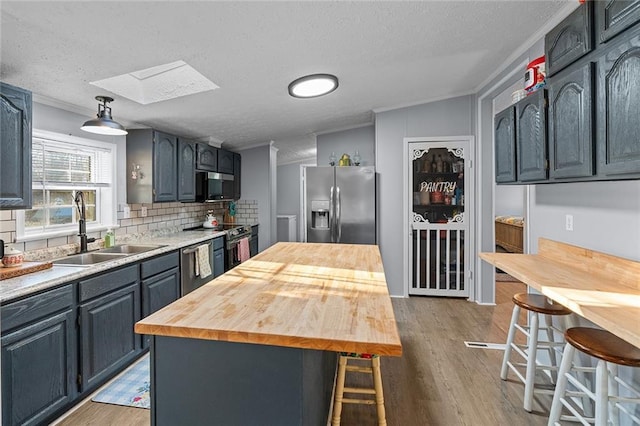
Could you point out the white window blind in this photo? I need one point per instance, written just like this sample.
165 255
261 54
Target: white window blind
61 166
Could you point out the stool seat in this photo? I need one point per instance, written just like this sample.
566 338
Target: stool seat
540 304
604 345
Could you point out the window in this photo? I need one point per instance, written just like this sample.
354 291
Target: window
61 166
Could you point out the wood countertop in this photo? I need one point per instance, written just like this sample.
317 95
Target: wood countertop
304 295
602 288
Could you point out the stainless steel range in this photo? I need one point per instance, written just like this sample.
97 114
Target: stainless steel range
235 233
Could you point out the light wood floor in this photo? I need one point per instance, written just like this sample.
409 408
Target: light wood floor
437 381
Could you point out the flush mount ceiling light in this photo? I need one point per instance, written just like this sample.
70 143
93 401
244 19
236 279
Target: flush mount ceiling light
104 124
311 86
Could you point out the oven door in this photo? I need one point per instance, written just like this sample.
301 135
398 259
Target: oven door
233 259
189 281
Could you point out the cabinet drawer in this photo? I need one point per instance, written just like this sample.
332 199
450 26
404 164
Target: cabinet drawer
32 308
159 264
107 282
218 243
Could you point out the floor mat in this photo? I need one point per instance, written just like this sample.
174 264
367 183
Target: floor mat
130 389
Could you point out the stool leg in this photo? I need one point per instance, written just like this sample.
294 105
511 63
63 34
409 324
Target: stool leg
614 390
337 404
552 349
561 385
602 394
510 338
377 384
531 362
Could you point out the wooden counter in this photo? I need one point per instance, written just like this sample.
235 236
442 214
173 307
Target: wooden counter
258 344
313 296
602 288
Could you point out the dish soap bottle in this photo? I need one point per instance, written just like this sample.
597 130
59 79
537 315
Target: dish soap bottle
109 238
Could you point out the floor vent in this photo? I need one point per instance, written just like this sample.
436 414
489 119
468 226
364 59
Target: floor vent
483 345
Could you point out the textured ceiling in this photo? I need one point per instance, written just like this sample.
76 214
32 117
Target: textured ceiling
386 54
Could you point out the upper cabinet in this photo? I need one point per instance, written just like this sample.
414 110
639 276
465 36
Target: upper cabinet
207 158
186 170
505 141
570 40
615 16
151 166
592 118
225 161
571 136
237 169
531 138
618 111
15 147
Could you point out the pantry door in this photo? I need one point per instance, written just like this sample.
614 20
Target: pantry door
440 181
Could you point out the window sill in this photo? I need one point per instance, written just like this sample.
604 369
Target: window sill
64 233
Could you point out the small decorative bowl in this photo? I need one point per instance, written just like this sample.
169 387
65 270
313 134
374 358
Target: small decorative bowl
12 257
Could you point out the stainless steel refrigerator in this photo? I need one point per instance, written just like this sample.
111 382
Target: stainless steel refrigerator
341 204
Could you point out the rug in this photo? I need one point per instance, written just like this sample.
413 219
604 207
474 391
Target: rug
130 389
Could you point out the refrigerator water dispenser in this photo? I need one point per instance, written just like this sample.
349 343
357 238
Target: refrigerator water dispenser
320 214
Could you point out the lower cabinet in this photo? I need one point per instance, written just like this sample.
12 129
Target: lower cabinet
218 256
160 285
39 356
107 318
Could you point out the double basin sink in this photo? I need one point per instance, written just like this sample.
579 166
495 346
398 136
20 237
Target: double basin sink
103 255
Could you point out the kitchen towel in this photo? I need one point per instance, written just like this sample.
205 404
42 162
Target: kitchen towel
202 261
243 250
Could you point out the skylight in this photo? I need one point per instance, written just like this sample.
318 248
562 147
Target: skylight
159 83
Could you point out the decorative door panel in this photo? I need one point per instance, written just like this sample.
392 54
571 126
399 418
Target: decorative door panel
439 222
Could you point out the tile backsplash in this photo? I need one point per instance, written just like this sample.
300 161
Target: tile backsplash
167 217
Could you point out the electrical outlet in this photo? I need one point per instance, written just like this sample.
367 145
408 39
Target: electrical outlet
126 212
143 212
568 222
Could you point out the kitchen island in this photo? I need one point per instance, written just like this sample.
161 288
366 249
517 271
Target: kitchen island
257 345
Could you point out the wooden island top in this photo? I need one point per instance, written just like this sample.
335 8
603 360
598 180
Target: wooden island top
602 288
330 297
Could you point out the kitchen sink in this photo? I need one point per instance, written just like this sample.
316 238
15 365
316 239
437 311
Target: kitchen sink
130 248
88 258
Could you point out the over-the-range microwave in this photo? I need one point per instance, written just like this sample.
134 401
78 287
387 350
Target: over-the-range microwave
213 186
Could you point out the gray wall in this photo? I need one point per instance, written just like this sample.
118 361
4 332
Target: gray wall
256 185
361 139
509 200
450 117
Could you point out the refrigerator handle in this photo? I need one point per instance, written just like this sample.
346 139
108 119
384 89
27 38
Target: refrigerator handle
338 215
331 216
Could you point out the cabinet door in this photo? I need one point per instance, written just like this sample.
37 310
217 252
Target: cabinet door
15 147
614 16
531 139
571 133
570 40
207 158
218 262
505 145
225 161
165 181
39 369
157 292
237 175
618 117
186 170
107 338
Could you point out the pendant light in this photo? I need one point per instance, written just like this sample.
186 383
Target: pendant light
314 85
104 124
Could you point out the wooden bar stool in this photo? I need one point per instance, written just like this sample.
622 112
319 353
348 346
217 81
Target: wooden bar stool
374 370
610 352
538 305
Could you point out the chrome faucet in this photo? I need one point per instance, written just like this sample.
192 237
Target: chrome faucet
79 199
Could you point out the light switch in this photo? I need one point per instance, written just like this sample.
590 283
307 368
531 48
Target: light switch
143 212
126 212
568 225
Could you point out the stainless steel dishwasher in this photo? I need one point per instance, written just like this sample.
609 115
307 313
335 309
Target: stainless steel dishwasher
189 281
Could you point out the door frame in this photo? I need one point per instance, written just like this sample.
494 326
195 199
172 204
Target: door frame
469 202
